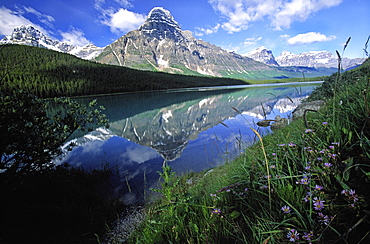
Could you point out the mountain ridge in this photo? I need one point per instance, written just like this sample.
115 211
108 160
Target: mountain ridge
314 59
31 36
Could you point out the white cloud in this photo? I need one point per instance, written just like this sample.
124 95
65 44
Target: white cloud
138 154
282 13
119 19
43 18
300 10
208 31
309 37
285 36
252 41
75 37
123 20
10 19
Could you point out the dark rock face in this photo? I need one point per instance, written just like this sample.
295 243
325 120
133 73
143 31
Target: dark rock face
161 25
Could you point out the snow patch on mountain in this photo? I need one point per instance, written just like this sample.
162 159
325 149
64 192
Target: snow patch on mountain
316 59
262 54
31 36
313 59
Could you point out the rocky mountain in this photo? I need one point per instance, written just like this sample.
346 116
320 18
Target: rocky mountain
31 36
263 55
314 59
160 44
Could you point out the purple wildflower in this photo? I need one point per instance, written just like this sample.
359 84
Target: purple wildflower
213 195
351 194
333 155
318 188
216 211
308 131
291 144
281 145
304 181
324 123
307 236
328 165
323 218
318 204
293 235
285 209
308 196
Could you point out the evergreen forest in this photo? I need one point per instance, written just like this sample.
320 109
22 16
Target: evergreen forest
46 73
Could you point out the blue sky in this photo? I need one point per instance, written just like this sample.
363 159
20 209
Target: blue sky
236 25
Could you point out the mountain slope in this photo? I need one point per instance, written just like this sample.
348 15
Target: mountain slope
160 44
31 36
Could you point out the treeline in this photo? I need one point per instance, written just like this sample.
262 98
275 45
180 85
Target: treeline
46 73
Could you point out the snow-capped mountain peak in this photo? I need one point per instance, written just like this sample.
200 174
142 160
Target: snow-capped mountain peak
306 59
316 59
160 24
262 54
31 36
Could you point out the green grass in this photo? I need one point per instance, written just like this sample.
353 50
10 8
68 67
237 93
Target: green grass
319 175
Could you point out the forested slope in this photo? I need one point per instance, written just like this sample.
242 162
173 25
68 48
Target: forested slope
46 73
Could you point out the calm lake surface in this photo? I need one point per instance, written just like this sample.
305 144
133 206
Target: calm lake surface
190 129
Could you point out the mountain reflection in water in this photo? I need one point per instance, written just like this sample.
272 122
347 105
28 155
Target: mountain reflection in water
192 130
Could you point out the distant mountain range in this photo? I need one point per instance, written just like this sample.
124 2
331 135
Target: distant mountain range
159 44
307 59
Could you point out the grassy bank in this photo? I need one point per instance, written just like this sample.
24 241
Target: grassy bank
306 183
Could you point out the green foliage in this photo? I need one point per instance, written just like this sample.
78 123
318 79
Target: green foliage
32 137
46 73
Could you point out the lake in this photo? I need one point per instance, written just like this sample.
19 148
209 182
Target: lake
190 129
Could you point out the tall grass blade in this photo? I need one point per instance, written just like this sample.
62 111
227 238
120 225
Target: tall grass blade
345 45
266 163
365 49
264 111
